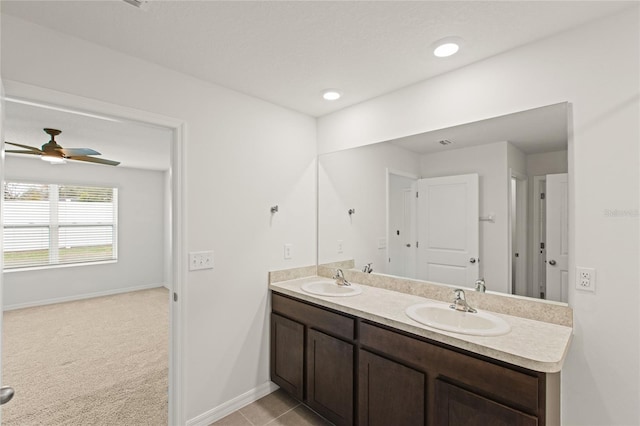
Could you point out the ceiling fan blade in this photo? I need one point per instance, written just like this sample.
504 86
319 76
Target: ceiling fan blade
15 151
30 148
77 152
94 160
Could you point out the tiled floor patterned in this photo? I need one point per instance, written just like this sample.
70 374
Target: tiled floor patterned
275 409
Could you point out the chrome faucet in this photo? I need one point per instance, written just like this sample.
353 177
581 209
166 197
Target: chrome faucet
460 302
367 268
340 279
480 286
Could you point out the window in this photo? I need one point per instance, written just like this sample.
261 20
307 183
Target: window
49 224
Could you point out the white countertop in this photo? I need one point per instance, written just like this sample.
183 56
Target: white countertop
531 344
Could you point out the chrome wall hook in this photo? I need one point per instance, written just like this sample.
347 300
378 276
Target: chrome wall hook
274 209
352 211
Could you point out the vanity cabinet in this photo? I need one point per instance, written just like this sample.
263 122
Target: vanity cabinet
457 406
457 387
287 355
353 371
389 393
312 357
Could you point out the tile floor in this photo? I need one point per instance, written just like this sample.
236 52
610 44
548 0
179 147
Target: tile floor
275 409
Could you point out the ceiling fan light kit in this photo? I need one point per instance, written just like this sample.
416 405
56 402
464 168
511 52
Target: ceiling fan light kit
56 154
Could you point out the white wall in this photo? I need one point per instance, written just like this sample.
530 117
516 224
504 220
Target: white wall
490 162
547 163
596 69
243 156
140 235
357 179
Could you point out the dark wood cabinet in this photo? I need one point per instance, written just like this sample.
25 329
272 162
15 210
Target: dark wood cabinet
389 392
313 357
354 371
330 377
456 406
287 355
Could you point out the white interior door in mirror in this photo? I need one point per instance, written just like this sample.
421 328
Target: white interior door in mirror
402 208
448 250
557 237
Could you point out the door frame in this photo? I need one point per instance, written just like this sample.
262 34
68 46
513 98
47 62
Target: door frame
536 233
521 197
388 173
177 270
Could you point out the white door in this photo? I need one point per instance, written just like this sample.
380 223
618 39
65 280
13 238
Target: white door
448 250
401 219
557 246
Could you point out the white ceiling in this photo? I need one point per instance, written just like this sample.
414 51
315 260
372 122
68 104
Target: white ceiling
533 131
287 52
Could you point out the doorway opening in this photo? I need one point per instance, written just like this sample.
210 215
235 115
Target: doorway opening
173 269
518 233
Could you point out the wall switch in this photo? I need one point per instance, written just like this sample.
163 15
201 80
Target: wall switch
586 279
200 260
340 246
382 243
288 251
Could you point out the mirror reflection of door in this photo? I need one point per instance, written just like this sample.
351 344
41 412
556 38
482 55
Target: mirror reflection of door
518 233
539 231
448 229
402 225
557 237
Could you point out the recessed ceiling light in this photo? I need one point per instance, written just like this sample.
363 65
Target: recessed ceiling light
446 47
331 94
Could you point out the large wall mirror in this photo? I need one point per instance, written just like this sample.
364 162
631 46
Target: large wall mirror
486 199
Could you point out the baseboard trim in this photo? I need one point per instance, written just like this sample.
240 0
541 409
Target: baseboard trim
232 405
79 297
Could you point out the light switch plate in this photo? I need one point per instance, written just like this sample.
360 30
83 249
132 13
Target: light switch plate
288 251
200 260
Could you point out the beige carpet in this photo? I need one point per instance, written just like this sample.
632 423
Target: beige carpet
101 361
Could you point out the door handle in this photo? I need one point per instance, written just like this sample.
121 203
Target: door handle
408 245
552 262
6 393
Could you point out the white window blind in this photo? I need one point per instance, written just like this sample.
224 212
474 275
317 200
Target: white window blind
50 224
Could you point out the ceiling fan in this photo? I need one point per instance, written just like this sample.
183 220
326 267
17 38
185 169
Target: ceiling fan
54 153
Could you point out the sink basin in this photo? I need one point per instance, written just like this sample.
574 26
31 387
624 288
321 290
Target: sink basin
330 288
441 316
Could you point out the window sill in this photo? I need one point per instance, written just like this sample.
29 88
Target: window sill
64 265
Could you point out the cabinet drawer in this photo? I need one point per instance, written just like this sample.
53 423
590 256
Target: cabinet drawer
503 384
318 318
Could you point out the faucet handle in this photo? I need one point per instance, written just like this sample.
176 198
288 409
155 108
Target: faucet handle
459 294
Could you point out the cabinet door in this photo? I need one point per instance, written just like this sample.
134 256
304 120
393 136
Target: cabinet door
330 377
456 406
389 392
287 355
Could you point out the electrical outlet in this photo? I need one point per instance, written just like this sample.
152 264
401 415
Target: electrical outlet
382 243
288 251
340 246
200 260
586 279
